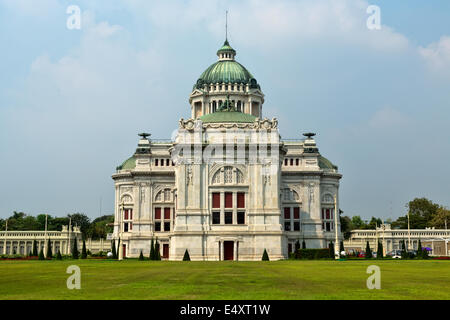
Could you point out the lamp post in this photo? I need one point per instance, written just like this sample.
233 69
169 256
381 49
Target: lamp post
120 231
6 232
409 234
336 244
45 237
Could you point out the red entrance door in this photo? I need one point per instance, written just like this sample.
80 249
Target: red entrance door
165 251
228 247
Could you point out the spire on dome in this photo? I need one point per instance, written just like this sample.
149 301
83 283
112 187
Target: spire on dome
226 52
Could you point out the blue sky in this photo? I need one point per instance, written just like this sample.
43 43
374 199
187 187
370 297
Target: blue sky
72 101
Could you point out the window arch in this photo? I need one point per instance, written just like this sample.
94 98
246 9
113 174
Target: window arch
228 175
327 198
126 198
164 195
290 195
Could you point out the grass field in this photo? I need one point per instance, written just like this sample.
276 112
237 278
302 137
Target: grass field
132 279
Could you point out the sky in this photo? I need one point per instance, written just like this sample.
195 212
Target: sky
73 100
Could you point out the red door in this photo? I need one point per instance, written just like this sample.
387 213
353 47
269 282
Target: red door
165 251
228 247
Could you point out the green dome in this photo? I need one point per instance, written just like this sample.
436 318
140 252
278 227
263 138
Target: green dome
324 163
128 164
227 116
227 71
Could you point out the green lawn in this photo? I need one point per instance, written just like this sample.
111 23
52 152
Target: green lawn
132 279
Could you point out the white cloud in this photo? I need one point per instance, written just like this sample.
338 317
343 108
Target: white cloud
39 9
265 23
437 54
389 118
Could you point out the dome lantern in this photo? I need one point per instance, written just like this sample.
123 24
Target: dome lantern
226 53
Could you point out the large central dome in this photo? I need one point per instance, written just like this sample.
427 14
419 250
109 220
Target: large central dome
226 70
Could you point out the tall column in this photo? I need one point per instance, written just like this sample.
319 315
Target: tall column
235 244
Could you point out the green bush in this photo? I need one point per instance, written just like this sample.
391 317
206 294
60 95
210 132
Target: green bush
152 250
141 256
186 256
312 254
83 251
368 254
58 255
41 255
265 256
113 249
75 252
49 250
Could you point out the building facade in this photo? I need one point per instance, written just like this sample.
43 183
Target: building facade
391 239
227 187
21 242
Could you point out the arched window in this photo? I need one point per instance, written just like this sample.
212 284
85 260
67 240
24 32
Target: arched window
167 195
127 198
163 195
228 175
216 177
327 198
239 176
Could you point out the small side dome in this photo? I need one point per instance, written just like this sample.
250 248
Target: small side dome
128 164
326 164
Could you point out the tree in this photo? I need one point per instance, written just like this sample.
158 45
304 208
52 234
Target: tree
368 251
141 256
331 250
157 253
421 212
441 218
113 249
41 255
101 226
152 250
265 256
49 250
81 220
405 253
297 246
419 250
346 226
358 223
303 244
58 255
118 248
341 247
35 249
374 222
186 256
75 252
83 251
380 250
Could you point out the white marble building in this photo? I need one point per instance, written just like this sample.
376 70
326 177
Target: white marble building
228 186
